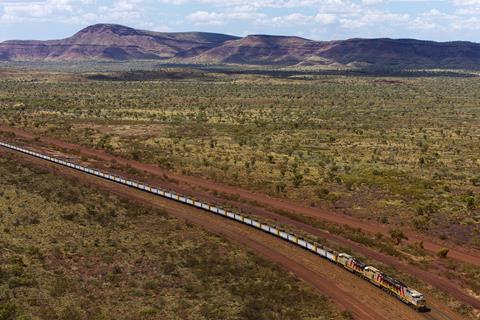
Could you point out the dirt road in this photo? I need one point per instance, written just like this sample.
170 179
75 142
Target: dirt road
431 278
455 252
350 292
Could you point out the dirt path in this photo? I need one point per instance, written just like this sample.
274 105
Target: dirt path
455 252
348 291
429 277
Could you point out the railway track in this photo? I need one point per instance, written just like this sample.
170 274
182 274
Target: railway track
288 236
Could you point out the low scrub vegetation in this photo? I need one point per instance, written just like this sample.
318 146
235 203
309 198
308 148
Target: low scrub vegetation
398 150
68 252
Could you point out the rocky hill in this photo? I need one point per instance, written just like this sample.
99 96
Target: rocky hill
115 42
112 42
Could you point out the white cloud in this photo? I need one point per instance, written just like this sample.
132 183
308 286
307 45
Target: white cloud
466 2
372 2
334 18
207 18
122 11
325 18
297 19
440 21
72 11
214 18
18 11
374 18
174 2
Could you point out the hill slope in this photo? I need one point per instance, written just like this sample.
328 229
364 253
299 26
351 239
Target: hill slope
406 52
111 42
115 42
263 50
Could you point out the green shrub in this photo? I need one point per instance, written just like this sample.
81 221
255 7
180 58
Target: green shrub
442 253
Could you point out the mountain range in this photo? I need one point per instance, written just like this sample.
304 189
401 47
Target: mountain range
121 43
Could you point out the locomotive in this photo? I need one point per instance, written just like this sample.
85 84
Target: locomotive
408 295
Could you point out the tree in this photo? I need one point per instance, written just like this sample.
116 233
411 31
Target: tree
397 236
442 253
470 202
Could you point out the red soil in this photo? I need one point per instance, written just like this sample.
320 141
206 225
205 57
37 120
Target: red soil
433 245
326 278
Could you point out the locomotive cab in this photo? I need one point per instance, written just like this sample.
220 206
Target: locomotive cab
343 258
417 299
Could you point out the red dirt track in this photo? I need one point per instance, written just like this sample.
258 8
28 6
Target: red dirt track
455 252
325 277
185 181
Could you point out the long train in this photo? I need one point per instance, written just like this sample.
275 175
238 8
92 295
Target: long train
394 287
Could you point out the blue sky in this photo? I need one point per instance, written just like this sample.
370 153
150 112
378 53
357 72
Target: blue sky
442 20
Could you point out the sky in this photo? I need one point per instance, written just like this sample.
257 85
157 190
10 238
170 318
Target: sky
440 20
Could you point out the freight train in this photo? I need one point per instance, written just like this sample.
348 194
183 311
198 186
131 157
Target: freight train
394 287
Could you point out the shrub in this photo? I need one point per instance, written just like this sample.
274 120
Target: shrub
442 253
8 310
397 236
